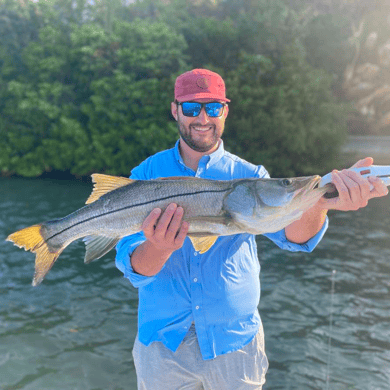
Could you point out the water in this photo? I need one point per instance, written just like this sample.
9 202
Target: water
76 330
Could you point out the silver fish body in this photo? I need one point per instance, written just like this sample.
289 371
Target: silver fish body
118 207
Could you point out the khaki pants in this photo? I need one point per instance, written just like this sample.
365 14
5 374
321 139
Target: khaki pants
158 368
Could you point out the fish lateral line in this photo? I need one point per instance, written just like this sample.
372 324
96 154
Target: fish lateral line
33 239
124 208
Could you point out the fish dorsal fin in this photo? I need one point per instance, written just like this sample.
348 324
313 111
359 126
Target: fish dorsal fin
104 184
203 244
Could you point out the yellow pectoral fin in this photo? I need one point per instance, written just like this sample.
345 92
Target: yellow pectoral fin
104 184
203 244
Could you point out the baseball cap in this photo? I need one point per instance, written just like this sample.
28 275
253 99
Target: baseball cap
200 84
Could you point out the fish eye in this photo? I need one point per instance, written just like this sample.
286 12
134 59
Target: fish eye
286 182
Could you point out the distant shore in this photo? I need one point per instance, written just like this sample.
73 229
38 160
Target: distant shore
377 147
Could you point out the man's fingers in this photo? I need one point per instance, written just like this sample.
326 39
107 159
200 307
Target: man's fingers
174 224
150 221
182 234
358 190
165 220
166 229
340 186
380 188
350 192
362 187
365 162
354 189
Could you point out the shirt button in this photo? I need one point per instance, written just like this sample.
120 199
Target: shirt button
197 307
195 280
195 253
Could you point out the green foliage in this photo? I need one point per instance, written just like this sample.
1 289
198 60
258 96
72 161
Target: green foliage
326 39
90 101
86 87
129 106
286 120
217 32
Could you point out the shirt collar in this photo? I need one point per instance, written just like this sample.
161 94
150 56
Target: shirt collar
176 151
212 158
217 155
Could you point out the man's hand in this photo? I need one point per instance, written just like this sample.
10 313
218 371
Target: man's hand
168 232
165 232
354 193
354 190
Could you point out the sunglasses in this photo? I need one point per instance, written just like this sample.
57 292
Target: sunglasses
213 109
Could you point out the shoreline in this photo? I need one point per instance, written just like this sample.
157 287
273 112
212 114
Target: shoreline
358 147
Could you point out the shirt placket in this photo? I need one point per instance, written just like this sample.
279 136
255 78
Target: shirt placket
196 282
202 166
197 302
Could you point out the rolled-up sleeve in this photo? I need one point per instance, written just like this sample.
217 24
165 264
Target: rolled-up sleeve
280 239
124 250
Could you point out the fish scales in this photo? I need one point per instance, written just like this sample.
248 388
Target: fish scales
122 211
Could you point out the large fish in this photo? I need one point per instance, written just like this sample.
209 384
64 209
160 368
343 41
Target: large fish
118 206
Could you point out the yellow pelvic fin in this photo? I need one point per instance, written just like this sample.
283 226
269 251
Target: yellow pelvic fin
203 244
104 184
31 239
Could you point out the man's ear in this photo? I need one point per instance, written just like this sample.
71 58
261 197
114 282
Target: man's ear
174 107
226 111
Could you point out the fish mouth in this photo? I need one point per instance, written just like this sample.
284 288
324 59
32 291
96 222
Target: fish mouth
312 189
315 182
329 189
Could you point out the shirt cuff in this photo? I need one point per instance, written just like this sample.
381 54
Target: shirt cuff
280 239
124 249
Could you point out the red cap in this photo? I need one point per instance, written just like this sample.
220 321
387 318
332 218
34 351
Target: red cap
200 84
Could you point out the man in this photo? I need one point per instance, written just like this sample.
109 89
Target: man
198 325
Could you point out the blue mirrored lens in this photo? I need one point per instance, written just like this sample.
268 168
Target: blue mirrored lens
192 109
213 109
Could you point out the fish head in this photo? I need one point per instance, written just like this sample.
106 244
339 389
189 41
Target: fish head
283 201
288 191
261 206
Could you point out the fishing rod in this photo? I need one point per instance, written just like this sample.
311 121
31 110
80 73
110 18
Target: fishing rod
330 331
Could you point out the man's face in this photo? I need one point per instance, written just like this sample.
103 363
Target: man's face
201 133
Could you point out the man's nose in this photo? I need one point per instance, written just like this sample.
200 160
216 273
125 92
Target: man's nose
203 117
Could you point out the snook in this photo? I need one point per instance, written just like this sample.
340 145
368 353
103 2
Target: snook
118 206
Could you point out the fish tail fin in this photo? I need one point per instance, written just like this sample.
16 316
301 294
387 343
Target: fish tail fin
28 238
31 239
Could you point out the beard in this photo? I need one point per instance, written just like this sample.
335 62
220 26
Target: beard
201 146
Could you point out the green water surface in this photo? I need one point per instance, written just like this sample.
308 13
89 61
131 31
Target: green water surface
76 330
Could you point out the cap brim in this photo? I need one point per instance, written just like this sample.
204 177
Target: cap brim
202 97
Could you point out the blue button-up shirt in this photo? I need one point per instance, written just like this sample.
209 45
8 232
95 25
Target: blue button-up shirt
219 290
